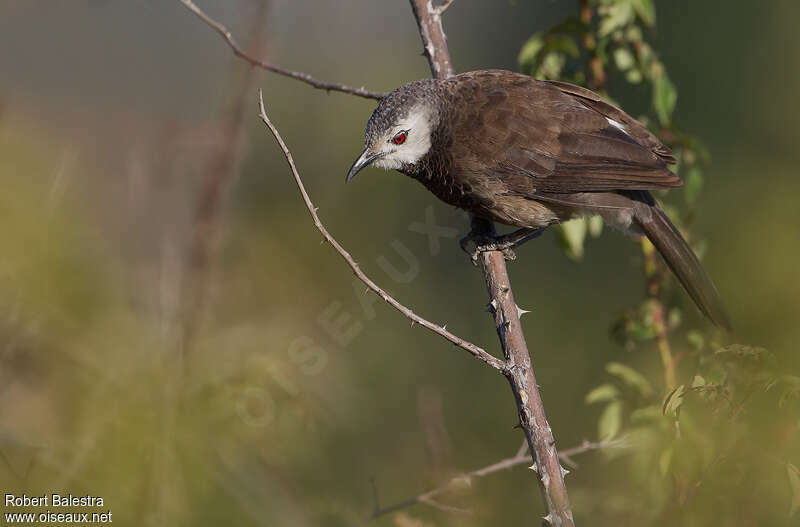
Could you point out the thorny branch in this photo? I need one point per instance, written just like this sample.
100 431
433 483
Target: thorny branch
474 350
519 370
522 457
297 75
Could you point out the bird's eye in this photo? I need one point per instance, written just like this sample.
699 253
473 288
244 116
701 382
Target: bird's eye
400 138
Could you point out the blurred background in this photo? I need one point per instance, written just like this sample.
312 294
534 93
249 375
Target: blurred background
175 339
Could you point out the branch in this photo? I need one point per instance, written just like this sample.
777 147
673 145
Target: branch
464 480
429 20
474 350
519 370
297 75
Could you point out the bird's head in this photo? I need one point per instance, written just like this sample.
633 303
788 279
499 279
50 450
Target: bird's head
398 133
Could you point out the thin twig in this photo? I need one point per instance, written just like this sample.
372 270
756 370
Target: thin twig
297 75
465 480
474 350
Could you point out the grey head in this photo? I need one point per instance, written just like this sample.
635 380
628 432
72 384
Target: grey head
398 133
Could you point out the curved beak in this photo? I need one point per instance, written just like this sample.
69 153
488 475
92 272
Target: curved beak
365 159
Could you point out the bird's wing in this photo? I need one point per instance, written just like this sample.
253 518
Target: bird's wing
552 137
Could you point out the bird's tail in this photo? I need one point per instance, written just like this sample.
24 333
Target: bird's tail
683 262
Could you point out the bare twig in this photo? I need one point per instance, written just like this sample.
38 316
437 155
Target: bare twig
519 370
474 350
434 42
297 75
464 480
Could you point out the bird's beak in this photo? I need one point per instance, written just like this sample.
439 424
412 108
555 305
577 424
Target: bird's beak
363 160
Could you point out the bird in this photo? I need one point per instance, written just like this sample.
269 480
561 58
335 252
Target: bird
532 153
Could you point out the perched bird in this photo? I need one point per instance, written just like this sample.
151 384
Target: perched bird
531 153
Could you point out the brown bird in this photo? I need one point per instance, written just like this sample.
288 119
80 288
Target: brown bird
531 153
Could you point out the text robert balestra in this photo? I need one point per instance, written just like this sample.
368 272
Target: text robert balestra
53 500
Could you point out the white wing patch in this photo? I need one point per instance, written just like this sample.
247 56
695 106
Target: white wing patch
617 125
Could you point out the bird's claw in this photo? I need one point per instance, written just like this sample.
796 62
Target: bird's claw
483 244
504 244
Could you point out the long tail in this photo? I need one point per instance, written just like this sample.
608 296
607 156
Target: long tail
683 262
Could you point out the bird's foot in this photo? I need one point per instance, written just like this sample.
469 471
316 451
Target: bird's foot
505 244
481 244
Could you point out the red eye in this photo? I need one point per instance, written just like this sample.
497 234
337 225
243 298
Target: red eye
400 138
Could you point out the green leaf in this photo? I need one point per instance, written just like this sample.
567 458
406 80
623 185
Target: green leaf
664 96
551 66
544 55
794 485
631 377
673 401
530 50
595 226
634 34
571 235
565 44
623 58
615 16
696 339
610 422
634 76
646 11
603 393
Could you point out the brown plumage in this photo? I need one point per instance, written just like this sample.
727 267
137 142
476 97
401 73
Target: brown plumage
532 153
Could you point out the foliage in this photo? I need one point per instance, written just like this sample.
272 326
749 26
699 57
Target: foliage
702 431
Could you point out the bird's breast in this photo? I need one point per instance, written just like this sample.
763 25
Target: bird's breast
466 187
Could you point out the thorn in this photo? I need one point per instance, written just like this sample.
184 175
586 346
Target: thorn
534 468
413 322
444 327
521 311
564 472
518 425
549 518
491 307
546 480
316 209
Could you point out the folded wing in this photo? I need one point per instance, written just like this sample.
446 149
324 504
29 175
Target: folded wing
552 137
